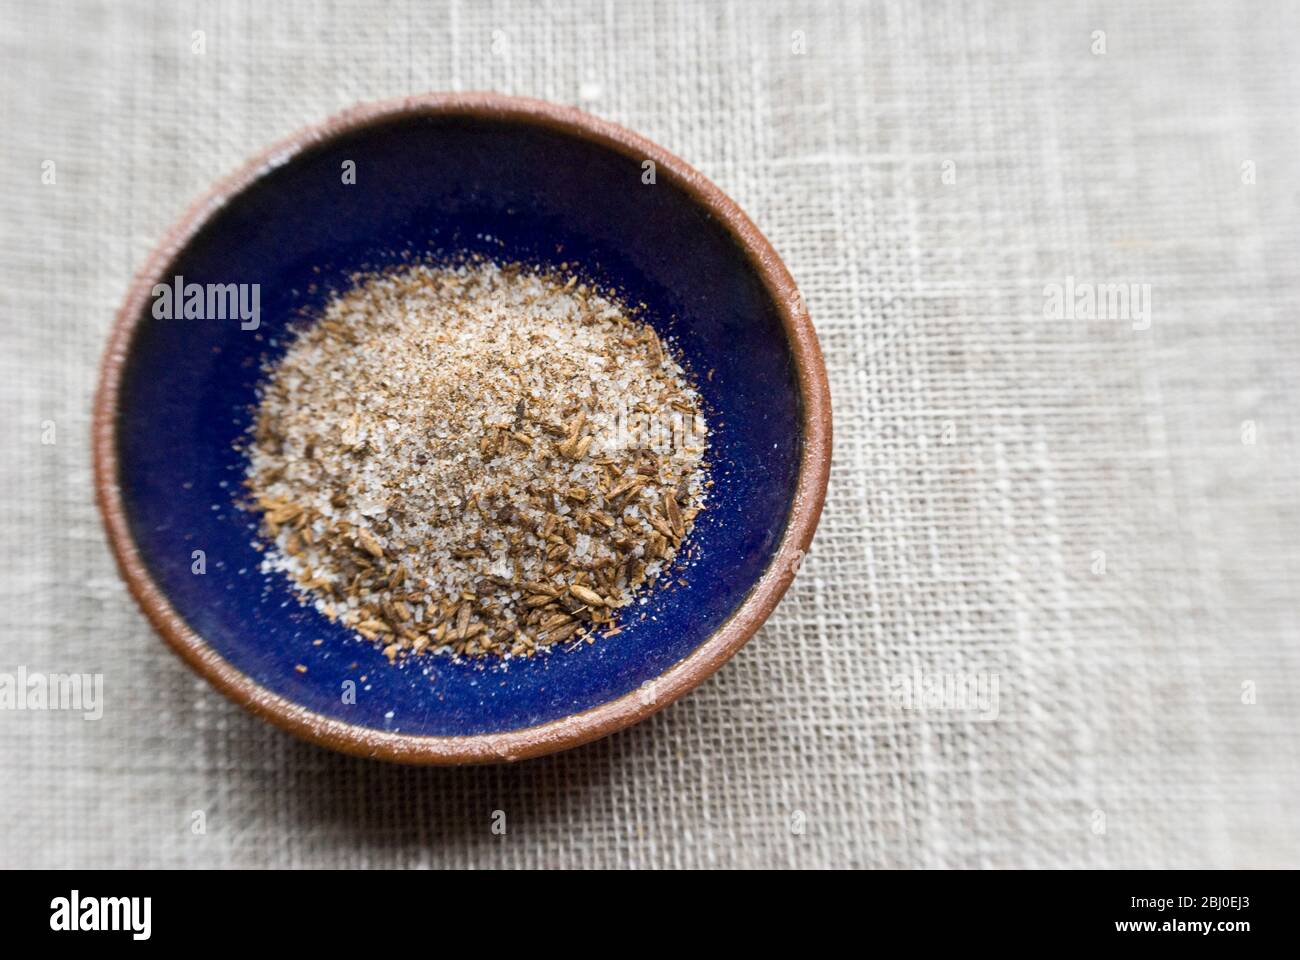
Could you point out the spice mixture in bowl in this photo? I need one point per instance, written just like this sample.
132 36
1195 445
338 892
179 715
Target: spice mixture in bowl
512 430
477 461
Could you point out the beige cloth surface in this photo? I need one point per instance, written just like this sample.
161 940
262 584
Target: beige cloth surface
1066 511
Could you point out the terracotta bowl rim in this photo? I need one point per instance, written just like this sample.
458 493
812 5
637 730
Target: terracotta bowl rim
561 734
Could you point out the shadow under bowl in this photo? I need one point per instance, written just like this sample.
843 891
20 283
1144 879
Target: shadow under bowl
515 180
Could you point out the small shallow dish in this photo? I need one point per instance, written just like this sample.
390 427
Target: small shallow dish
516 180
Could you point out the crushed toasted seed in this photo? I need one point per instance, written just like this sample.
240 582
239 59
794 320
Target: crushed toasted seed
475 460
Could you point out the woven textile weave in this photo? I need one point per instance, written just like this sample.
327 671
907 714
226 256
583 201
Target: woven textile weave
1093 524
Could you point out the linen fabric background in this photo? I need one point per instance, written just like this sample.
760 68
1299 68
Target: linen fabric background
1099 517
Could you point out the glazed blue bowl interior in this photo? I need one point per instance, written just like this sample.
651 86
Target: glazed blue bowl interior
445 185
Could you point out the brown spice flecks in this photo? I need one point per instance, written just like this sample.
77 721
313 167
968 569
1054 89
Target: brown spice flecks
476 460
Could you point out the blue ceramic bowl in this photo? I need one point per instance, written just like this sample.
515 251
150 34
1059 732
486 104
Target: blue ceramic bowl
517 180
